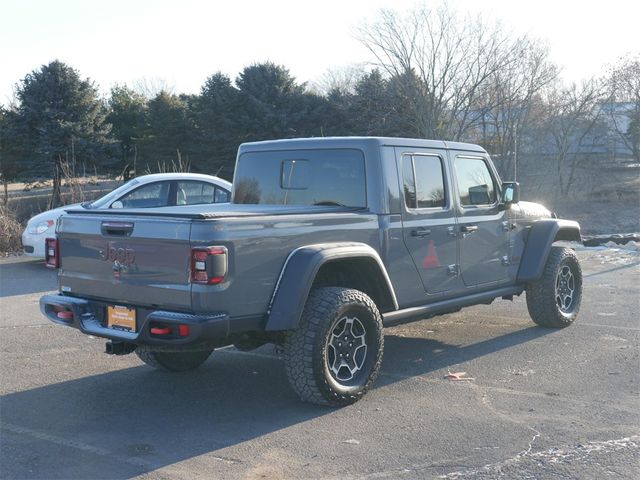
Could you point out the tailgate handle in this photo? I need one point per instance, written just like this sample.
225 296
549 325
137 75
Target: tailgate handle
122 229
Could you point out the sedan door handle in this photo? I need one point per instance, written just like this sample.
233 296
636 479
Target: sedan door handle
469 228
420 232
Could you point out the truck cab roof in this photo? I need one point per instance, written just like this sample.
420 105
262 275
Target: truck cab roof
356 142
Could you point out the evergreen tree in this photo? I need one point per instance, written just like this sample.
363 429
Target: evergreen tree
371 108
170 127
10 148
270 102
128 117
62 118
218 130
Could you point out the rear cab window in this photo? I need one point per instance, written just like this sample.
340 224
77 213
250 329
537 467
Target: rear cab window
301 177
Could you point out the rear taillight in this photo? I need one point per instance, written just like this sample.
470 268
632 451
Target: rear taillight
51 253
208 265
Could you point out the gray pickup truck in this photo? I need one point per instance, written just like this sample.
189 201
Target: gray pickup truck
324 242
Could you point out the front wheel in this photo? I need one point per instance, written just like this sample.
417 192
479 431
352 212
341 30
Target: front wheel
554 300
173 361
334 355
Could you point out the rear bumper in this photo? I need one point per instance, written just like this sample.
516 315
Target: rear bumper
88 316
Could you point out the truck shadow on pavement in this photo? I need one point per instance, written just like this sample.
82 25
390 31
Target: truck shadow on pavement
416 356
135 420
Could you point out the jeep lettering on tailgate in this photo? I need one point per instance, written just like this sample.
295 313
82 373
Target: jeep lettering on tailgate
122 255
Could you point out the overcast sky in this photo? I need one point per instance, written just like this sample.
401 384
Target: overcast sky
181 42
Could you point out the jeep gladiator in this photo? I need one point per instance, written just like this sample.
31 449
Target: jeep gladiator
325 241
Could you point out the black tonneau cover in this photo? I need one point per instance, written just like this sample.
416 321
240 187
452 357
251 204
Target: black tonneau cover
203 212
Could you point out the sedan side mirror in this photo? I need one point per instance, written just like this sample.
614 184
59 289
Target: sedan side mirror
117 204
510 194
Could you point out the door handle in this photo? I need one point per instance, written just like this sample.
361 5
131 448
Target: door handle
469 228
420 232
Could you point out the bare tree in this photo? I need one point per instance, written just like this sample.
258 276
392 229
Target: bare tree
506 101
341 79
623 107
151 87
444 62
569 131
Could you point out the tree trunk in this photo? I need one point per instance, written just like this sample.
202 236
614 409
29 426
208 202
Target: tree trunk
56 199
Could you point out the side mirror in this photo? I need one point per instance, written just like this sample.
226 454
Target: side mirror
117 204
510 194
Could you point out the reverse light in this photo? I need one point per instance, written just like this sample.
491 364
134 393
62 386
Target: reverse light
208 265
51 253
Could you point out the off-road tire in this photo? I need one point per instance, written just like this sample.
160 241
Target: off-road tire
308 349
543 302
173 361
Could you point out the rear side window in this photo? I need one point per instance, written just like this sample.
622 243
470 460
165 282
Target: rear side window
423 181
301 177
475 183
193 193
222 195
190 192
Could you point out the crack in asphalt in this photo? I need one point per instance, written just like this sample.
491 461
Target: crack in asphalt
535 436
550 456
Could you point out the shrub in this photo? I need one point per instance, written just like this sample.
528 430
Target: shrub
10 232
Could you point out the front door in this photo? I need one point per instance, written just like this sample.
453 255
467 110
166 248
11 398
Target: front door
483 226
428 218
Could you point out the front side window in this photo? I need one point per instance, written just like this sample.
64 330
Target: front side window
106 200
423 181
475 183
152 195
301 177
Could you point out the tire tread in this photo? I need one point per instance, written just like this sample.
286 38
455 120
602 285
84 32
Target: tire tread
298 351
541 293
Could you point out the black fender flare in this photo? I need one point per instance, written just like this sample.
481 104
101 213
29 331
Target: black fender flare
541 236
299 272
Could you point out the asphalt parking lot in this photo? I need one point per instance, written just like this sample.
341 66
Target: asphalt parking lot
536 403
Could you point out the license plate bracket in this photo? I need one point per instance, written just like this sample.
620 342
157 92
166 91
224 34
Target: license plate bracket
121 318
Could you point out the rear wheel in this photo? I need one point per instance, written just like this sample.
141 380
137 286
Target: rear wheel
173 361
334 356
554 300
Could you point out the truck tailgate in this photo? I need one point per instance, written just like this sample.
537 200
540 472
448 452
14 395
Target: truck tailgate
126 259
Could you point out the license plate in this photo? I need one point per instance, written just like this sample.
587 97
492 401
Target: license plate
121 318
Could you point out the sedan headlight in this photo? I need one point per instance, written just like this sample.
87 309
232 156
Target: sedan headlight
41 227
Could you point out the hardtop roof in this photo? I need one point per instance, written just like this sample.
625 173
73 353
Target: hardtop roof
355 142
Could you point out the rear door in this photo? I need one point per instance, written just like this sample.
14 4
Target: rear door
428 217
483 226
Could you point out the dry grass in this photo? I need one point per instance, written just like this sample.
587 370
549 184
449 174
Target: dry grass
10 232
